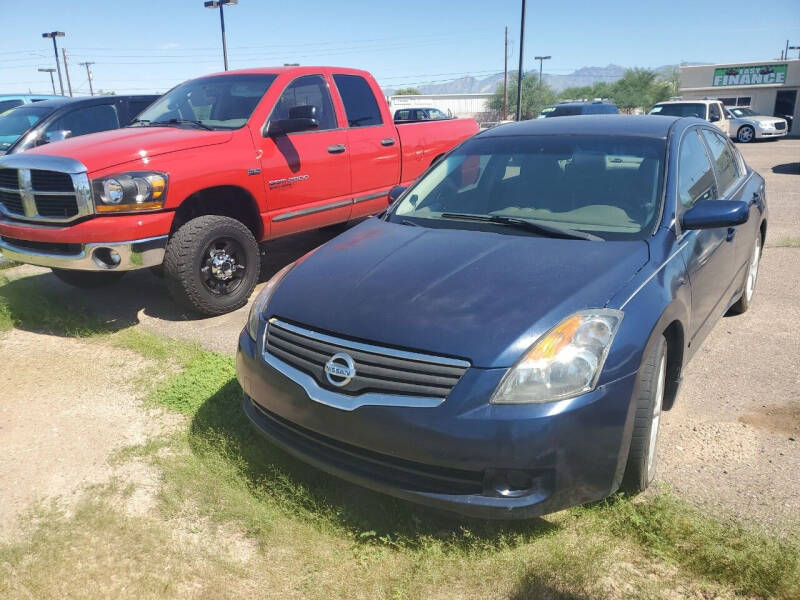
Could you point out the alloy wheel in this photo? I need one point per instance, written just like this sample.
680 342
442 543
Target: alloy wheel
658 403
223 267
752 273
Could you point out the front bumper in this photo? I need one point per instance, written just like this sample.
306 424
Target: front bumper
770 133
459 455
111 256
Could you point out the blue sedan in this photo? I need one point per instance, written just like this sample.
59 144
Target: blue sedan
502 341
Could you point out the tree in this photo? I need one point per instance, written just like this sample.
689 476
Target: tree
639 88
535 96
407 92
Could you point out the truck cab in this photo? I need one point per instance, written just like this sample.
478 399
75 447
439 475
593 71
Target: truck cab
207 172
710 109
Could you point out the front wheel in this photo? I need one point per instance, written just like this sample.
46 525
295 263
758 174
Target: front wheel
88 280
746 134
649 396
211 264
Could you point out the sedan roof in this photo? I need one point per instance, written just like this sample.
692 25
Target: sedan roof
642 125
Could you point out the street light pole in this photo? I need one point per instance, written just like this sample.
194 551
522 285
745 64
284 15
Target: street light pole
54 35
219 4
88 75
521 55
52 81
541 59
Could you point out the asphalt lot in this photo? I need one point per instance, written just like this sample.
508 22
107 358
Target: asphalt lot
730 442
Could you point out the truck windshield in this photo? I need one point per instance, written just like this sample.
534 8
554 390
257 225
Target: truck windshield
608 186
15 122
220 102
680 110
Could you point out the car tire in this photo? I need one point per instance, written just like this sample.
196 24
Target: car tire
742 305
649 398
88 280
212 264
746 134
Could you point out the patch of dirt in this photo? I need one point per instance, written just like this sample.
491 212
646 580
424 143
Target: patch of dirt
777 419
66 406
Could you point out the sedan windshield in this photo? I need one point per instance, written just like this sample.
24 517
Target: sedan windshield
743 112
680 110
15 122
221 102
607 186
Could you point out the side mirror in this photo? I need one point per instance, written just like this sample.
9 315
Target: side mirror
713 214
56 136
714 118
301 118
395 192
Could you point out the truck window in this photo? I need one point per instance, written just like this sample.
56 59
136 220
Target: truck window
714 113
309 90
359 101
7 104
91 119
137 106
402 115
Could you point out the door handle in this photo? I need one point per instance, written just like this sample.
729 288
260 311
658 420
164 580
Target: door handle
731 234
387 142
336 148
756 199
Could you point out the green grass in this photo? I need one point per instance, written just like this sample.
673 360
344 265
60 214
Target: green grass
7 264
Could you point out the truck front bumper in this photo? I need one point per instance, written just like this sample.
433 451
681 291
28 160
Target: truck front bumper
111 256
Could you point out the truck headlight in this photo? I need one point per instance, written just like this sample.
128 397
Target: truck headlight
564 363
133 191
262 300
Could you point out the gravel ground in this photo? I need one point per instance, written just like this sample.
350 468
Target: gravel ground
730 442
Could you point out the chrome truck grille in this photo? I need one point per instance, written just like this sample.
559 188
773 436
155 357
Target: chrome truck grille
44 188
375 369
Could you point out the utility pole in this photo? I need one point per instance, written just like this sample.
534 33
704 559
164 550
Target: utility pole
541 59
53 35
88 75
52 81
521 55
505 79
219 4
66 71
785 55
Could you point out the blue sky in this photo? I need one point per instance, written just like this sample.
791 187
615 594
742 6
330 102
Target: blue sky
150 46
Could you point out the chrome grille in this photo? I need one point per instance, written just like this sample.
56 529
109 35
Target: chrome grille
43 195
780 125
378 369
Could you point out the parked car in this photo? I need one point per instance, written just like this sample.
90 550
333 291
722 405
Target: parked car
568 109
32 125
747 125
213 167
8 101
501 342
412 115
711 110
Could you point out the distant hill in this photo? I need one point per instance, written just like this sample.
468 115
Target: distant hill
487 85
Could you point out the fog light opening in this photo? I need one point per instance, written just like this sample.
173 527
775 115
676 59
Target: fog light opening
509 483
106 258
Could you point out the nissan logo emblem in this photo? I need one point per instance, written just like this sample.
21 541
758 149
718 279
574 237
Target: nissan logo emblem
340 369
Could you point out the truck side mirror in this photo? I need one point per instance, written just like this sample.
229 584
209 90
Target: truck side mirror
301 118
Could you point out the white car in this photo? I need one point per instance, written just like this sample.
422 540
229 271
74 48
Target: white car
746 125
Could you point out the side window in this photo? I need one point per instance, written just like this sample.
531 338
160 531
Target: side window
309 90
714 112
695 176
402 115
437 114
6 104
137 106
359 101
91 119
725 163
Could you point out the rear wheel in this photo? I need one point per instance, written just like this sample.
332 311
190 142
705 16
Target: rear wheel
211 264
641 467
88 280
751 277
746 134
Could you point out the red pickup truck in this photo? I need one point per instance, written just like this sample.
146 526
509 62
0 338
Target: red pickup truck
213 167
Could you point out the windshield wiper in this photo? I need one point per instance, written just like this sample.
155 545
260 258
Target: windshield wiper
527 225
199 124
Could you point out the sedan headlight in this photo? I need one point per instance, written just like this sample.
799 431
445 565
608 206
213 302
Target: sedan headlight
263 298
766 125
133 191
564 363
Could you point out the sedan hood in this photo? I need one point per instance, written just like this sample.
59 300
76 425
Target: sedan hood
109 148
476 295
759 119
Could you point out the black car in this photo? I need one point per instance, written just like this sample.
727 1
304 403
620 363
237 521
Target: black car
48 121
571 109
413 115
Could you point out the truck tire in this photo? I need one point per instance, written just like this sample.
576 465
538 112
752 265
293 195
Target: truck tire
649 398
88 280
211 265
746 134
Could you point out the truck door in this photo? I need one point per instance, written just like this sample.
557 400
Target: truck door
307 173
372 143
708 253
